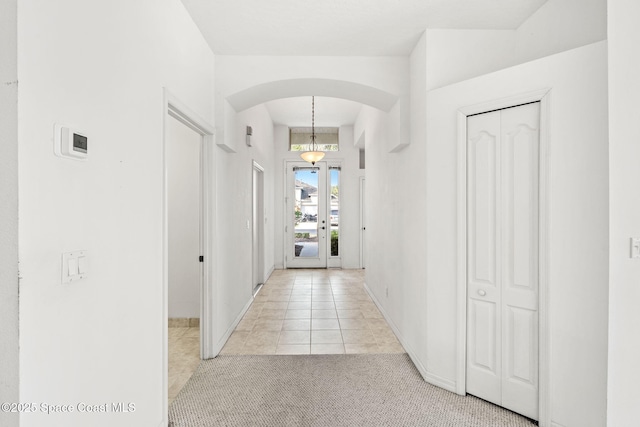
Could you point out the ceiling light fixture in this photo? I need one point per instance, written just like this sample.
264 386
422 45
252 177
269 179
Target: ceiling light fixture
314 154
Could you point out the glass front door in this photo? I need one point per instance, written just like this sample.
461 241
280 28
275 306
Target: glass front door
307 227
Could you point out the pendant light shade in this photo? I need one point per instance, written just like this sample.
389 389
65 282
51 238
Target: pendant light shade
313 155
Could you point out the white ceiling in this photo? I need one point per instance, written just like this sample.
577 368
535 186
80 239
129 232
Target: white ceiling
343 27
330 112
339 28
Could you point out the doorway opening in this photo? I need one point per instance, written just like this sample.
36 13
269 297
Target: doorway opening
188 255
184 179
312 216
258 217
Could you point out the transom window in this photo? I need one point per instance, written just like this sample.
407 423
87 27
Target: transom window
326 138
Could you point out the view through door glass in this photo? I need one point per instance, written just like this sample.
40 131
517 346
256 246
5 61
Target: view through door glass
334 214
306 212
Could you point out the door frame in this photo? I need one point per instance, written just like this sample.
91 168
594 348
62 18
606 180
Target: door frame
544 372
334 261
256 167
363 225
173 107
288 164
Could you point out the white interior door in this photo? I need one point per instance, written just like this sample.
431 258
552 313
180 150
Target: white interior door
502 257
306 215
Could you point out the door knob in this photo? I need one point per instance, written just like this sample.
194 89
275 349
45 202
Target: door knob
481 293
323 227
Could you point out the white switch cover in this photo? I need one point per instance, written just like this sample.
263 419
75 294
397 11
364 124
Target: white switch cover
82 264
74 266
635 247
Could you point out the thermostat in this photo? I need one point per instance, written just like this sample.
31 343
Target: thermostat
70 143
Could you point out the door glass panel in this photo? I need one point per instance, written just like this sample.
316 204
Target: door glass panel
306 212
334 213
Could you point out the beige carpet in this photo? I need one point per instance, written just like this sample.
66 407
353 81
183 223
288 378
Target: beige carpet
325 391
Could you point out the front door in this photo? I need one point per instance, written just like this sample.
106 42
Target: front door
306 215
502 257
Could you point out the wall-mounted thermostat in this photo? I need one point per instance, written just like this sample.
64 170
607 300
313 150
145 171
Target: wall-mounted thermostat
70 143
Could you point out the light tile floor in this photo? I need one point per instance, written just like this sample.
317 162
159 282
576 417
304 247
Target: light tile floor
184 357
313 312
295 312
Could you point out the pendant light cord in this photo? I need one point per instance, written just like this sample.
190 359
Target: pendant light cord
313 123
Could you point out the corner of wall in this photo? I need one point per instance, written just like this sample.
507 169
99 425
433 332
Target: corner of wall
225 131
9 283
398 130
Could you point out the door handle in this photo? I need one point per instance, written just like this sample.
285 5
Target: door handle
482 293
323 227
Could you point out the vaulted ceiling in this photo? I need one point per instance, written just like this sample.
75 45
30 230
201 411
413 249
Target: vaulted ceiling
343 27
339 28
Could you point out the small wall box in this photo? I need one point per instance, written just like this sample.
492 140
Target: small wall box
70 143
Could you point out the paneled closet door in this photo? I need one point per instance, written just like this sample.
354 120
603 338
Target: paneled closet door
502 257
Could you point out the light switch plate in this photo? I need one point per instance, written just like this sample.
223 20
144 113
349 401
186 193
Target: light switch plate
74 266
635 247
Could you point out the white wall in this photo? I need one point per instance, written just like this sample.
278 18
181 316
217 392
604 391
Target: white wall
252 80
455 55
8 210
578 192
234 201
349 194
236 73
99 339
624 152
560 25
412 251
395 205
183 181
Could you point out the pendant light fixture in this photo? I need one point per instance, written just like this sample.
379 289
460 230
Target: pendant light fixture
314 155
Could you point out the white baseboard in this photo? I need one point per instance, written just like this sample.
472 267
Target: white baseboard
268 275
220 344
436 380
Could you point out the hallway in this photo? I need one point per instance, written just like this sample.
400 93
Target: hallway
295 312
313 312
340 375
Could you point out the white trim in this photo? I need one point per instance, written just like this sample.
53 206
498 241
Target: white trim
172 106
544 373
220 344
306 262
285 217
269 273
334 261
428 377
255 166
362 220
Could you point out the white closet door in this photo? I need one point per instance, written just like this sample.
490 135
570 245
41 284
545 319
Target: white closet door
502 283
484 358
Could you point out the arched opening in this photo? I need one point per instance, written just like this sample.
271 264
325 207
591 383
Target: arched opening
270 91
